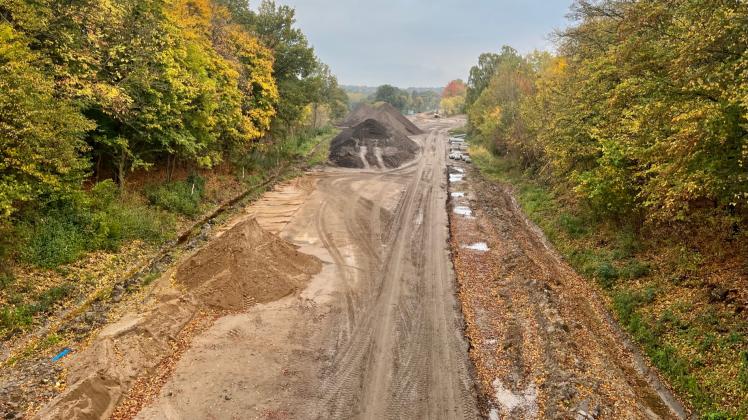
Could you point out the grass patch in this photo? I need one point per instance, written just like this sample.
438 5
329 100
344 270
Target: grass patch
18 318
458 131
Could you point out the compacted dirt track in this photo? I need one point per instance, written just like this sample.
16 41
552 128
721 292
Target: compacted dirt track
378 333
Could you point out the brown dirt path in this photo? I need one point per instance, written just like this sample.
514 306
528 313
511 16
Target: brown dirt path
376 334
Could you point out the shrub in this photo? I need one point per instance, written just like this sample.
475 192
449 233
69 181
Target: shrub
53 239
606 274
627 244
87 222
6 279
180 196
572 225
16 318
635 269
743 376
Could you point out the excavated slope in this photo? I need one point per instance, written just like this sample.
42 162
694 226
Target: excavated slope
245 265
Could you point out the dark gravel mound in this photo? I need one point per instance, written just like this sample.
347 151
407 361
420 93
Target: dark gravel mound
371 144
384 113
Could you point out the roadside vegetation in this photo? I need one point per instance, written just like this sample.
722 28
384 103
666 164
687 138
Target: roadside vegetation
124 122
628 148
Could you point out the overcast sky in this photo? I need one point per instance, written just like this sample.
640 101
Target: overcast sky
421 43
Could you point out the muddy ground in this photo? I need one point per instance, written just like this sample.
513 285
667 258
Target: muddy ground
375 328
543 344
370 336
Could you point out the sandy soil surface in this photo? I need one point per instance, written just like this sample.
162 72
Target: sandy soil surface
376 334
543 344
338 300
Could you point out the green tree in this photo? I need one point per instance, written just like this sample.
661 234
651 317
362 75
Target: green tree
295 62
41 140
394 96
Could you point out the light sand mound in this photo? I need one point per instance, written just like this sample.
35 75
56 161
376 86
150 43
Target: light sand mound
245 265
385 114
100 376
371 144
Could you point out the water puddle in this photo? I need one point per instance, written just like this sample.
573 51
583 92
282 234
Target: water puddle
524 399
456 177
478 246
459 170
457 194
463 211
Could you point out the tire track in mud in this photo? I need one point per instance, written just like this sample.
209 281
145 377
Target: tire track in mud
376 335
400 357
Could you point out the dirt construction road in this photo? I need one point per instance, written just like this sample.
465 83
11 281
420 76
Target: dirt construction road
376 334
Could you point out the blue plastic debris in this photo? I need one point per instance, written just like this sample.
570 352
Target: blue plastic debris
64 352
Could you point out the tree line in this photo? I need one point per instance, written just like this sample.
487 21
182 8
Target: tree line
406 100
642 113
100 88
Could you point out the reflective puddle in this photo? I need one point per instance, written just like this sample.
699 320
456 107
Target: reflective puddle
456 177
478 246
457 194
463 211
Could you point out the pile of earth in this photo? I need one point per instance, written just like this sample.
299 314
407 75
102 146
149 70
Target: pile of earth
246 265
372 144
385 114
243 266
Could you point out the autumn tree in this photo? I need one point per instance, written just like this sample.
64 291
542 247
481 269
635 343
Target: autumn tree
454 88
643 113
41 144
453 97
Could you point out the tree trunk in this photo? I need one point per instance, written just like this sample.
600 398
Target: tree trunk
98 167
121 167
314 121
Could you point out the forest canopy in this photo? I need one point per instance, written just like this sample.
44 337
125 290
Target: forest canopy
102 88
643 112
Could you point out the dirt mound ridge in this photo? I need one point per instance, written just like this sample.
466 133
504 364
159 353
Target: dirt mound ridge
246 265
384 113
371 144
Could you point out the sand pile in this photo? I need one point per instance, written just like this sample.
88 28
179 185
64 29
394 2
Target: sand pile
243 266
246 265
385 114
371 144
